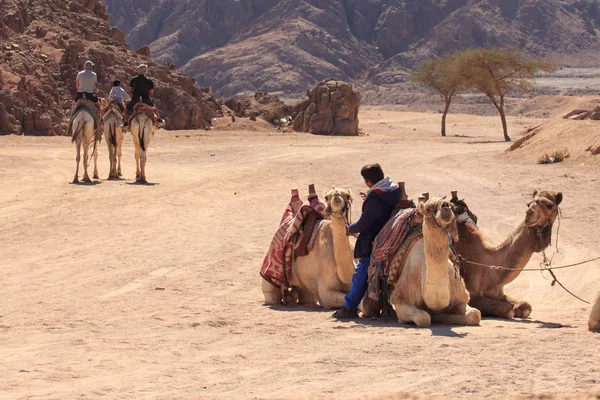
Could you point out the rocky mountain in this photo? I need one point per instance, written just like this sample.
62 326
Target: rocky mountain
287 45
45 43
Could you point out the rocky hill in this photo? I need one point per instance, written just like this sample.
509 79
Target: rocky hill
288 45
45 43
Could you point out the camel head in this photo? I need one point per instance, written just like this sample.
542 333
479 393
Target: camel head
339 201
541 213
442 212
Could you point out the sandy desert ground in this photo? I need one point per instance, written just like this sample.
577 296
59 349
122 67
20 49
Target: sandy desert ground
121 291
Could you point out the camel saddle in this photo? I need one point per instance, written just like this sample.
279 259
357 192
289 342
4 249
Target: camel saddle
143 108
113 106
91 108
297 230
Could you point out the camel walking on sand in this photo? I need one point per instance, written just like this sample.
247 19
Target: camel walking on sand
142 130
84 134
485 284
113 134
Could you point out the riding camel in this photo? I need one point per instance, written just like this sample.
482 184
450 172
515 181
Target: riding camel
84 134
594 321
113 134
429 288
485 284
323 276
142 131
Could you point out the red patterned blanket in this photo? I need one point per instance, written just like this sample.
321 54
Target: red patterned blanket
298 217
388 242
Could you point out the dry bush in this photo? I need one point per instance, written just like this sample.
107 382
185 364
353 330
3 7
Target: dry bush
275 113
555 157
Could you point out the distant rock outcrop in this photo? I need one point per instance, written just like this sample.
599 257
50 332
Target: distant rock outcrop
286 45
43 49
266 106
331 109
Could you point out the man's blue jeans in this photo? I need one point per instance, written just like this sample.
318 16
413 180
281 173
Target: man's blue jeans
359 284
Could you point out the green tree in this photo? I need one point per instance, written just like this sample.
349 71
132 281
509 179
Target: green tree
498 72
442 76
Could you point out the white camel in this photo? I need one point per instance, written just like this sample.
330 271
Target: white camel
84 135
142 130
113 134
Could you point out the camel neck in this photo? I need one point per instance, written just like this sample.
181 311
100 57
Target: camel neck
343 252
436 283
516 252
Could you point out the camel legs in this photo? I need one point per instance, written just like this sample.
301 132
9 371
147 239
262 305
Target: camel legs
143 167
460 314
329 298
86 177
272 293
369 307
119 155
306 297
492 308
522 309
111 158
95 155
138 173
407 313
77 159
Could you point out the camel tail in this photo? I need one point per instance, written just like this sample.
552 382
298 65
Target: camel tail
141 134
113 134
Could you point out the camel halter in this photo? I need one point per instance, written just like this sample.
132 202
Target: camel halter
546 263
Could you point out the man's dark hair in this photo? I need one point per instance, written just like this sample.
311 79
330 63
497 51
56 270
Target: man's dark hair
116 83
372 173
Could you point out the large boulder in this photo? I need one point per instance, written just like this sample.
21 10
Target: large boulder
331 109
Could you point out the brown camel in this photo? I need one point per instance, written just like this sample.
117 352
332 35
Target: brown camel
486 285
594 321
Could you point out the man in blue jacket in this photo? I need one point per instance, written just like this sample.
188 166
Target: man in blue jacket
380 202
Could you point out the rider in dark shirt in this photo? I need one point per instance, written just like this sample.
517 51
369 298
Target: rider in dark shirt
141 88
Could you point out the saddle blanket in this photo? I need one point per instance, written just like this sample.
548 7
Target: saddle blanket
393 238
294 238
91 108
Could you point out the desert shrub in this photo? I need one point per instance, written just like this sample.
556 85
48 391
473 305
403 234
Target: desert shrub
555 157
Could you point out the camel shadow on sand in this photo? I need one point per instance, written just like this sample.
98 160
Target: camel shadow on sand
383 322
81 183
150 184
541 324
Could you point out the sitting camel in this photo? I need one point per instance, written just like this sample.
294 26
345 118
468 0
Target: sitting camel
594 321
428 288
325 274
486 285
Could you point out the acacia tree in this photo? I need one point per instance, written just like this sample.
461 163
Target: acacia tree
498 72
442 76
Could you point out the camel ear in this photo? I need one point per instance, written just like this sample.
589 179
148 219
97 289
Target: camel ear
559 198
422 208
535 192
350 198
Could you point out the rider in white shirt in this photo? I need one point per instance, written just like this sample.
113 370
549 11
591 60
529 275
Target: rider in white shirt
118 94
